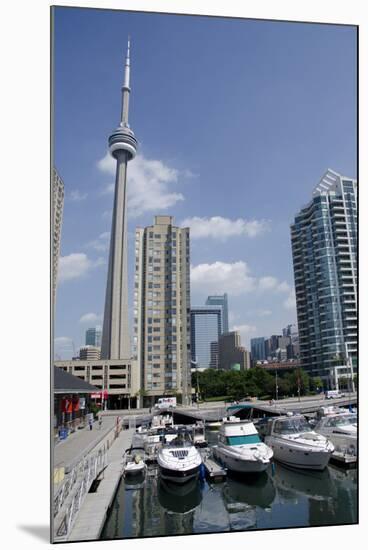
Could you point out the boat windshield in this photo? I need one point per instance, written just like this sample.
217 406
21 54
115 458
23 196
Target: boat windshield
344 420
291 426
243 439
181 440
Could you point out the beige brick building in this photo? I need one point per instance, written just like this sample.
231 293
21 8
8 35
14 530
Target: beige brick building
120 378
161 340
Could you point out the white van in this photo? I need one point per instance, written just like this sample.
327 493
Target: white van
333 394
166 403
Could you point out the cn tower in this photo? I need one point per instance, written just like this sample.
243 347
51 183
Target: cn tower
123 147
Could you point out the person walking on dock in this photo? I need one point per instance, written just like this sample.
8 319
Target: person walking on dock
90 421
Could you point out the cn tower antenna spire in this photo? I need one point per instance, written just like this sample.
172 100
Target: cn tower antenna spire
126 89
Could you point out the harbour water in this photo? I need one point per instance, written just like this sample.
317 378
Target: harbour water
280 497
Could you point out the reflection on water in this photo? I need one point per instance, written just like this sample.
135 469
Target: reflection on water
179 499
282 497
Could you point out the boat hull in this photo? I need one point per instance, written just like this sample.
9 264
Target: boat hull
303 458
240 465
178 476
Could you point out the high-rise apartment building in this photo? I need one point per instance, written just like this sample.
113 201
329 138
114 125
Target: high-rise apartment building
93 337
89 353
57 218
220 300
258 349
205 332
162 308
231 352
324 247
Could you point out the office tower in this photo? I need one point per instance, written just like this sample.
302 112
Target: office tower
324 247
258 349
205 323
123 147
89 353
93 337
220 300
57 218
162 308
231 352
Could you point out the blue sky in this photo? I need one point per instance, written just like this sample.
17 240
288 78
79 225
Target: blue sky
237 121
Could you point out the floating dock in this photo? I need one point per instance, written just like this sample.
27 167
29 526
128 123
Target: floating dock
344 459
214 470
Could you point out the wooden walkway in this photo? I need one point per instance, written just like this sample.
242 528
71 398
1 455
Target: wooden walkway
92 516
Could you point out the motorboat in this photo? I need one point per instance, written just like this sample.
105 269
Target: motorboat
151 438
240 448
198 434
341 428
295 443
133 461
178 459
162 420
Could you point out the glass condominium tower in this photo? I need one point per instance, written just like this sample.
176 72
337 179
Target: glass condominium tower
324 249
220 300
205 333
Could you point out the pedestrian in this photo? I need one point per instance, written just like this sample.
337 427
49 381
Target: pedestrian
100 422
90 421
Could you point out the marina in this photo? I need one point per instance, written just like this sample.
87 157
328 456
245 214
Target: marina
221 499
232 468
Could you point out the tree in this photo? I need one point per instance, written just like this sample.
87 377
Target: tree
316 383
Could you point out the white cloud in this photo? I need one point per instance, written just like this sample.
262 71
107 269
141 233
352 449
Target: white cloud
244 331
222 277
76 196
234 278
63 345
223 228
90 318
101 243
290 302
272 283
76 265
149 184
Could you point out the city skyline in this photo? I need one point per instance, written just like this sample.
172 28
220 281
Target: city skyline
240 246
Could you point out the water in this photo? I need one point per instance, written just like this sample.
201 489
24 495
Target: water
281 498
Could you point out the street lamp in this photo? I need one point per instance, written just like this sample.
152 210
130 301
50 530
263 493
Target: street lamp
277 388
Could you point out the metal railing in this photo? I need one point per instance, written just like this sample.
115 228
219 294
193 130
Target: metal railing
74 490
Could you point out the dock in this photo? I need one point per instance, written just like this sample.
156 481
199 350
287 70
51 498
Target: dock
92 516
214 470
343 459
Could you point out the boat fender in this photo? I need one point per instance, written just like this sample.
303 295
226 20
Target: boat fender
202 471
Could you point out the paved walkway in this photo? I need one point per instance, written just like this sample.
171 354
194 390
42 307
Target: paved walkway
80 443
92 516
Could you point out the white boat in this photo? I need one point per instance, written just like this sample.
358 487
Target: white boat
240 448
340 427
198 434
133 461
295 443
178 459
